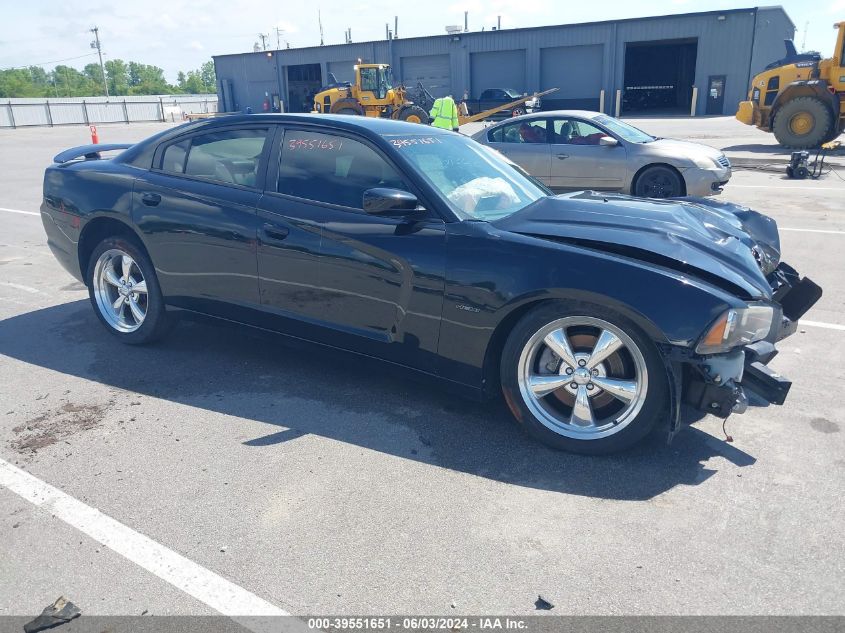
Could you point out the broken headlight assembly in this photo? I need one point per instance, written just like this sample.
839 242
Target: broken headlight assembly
737 327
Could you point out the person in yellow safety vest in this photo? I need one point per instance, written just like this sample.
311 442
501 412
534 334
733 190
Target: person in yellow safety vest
444 114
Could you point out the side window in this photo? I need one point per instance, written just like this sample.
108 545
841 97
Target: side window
228 156
174 157
525 132
496 135
575 132
332 169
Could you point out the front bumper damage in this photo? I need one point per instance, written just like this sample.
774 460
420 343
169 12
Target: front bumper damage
728 383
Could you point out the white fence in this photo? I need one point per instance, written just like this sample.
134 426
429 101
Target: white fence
90 110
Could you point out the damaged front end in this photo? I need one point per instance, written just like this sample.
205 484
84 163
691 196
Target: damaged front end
727 382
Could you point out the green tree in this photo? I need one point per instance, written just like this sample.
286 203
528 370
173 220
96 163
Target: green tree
209 77
118 77
180 80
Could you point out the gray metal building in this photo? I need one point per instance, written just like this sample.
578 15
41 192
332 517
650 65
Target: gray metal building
653 63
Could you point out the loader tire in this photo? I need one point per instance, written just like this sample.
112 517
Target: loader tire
413 114
803 123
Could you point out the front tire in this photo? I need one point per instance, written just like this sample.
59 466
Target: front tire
803 123
124 291
658 181
414 114
582 378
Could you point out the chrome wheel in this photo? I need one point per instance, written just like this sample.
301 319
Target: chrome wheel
120 290
583 377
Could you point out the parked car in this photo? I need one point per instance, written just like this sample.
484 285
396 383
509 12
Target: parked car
495 97
571 150
595 315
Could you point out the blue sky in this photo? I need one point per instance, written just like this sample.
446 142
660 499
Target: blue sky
178 35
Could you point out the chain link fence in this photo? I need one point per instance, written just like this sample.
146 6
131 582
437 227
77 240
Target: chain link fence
91 110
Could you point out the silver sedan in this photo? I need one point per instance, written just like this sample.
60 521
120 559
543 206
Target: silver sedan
569 150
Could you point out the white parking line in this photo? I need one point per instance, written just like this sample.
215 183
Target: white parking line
19 211
782 188
30 290
215 591
828 326
830 232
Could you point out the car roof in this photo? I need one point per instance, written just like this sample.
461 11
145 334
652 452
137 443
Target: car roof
581 114
374 125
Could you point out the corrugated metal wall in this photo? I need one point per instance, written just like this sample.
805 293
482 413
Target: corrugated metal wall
497 69
433 71
343 71
732 43
576 71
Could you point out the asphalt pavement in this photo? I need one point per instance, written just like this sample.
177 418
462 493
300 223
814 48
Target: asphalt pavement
314 483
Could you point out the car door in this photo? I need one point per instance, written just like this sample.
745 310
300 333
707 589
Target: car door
525 142
196 208
578 161
289 233
381 278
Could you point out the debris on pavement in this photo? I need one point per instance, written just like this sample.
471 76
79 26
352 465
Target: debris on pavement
60 612
542 604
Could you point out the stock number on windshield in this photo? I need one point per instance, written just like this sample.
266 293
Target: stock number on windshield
314 144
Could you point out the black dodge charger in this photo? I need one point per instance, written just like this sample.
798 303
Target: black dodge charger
598 317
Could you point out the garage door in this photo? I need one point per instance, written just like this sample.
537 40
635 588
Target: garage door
497 69
431 70
344 71
576 71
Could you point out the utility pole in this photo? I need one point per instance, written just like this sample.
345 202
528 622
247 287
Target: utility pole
96 44
320 20
279 38
263 37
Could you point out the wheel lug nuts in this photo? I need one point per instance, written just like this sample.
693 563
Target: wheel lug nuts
569 370
582 363
595 372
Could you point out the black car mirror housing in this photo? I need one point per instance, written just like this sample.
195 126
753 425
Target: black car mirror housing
387 201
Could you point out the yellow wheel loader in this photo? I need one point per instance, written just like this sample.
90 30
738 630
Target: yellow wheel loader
373 94
800 97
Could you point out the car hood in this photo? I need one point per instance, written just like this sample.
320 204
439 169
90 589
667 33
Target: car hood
687 149
719 242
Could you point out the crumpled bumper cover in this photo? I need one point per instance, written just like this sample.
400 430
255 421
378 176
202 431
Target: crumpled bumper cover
721 385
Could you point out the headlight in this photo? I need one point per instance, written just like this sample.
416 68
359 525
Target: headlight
737 327
706 162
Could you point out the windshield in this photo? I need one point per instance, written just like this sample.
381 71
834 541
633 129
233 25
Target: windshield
476 181
627 132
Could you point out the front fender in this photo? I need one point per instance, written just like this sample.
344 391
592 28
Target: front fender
481 304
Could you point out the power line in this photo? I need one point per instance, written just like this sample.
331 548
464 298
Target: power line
55 61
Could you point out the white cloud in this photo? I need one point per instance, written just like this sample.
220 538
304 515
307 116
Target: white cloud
196 46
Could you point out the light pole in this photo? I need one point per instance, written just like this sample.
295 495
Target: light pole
96 44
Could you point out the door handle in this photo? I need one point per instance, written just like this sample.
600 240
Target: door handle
150 199
562 156
274 233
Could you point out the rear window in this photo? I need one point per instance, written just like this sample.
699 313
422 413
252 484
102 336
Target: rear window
227 156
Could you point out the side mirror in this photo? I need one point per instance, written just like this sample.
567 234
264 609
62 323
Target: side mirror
386 201
608 141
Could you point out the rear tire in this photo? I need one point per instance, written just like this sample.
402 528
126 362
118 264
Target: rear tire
608 396
124 291
413 114
658 181
803 123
